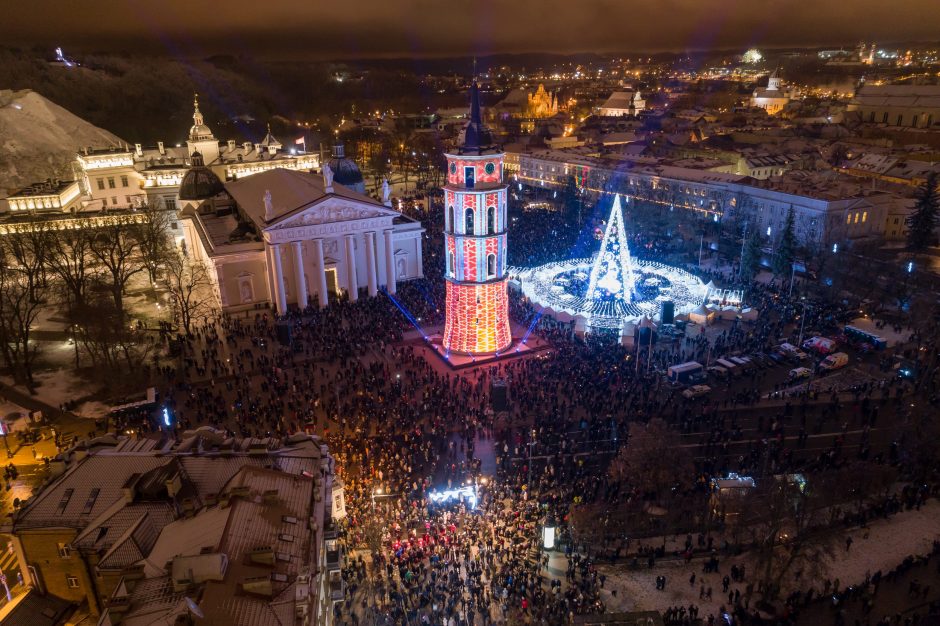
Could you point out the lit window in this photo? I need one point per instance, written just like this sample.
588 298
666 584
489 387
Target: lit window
72 582
848 218
856 219
65 552
864 216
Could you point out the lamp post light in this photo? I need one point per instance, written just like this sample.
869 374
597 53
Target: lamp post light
530 444
799 343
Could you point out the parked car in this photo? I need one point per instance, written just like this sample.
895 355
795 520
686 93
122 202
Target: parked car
799 373
696 391
717 371
834 361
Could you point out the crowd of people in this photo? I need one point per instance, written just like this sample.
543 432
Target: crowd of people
402 426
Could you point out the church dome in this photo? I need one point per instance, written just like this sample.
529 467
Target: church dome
198 131
199 183
345 171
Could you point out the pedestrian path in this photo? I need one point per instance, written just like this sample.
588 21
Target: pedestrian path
880 546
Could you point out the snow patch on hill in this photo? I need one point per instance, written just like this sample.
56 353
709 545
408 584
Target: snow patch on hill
39 139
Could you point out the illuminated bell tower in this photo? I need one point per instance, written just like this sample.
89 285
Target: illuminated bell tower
475 224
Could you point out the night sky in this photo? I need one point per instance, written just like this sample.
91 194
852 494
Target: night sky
361 28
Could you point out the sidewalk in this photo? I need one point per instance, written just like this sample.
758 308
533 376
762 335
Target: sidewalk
882 546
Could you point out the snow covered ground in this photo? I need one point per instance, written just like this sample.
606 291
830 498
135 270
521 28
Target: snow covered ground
882 546
39 139
57 386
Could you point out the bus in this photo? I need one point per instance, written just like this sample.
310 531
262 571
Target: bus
685 372
853 333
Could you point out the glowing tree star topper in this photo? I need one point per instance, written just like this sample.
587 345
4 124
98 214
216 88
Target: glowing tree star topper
612 272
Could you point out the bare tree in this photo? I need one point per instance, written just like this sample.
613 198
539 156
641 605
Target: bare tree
117 249
109 342
792 531
653 459
155 245
190 286
23 292
71 260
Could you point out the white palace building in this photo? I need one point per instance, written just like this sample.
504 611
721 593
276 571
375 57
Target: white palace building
272 231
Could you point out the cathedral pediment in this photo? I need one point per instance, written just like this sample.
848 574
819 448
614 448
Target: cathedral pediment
332 213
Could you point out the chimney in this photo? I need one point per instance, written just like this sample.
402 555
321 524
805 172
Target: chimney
262 556
231 145
173 485
139 149
258 585
128 489
247 146
160 147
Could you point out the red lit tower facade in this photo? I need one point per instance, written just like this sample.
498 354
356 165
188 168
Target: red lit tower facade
475 225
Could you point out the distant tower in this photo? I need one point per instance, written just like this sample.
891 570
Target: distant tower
475 222
773 83
200 138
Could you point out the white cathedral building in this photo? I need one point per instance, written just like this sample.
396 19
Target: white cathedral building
294 239
774 97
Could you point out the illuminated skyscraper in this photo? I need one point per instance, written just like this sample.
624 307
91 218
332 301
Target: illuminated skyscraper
475 225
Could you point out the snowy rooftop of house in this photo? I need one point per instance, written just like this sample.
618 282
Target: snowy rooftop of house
924 96
48 187
205 496
620 100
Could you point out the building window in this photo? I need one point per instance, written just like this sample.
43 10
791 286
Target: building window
856 218
848 218
111 184
864 216
491 266
468 177
72 582
123 181
65 552
468 222
101 184
451 264
114 200
450 219
491 220
896 221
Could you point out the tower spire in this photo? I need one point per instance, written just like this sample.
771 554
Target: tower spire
197 115
476 137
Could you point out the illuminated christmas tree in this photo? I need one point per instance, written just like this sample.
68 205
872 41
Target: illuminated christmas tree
612 273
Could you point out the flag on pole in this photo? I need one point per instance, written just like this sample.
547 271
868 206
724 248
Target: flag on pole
300 140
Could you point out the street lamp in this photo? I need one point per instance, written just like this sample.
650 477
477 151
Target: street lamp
799 343
377 491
